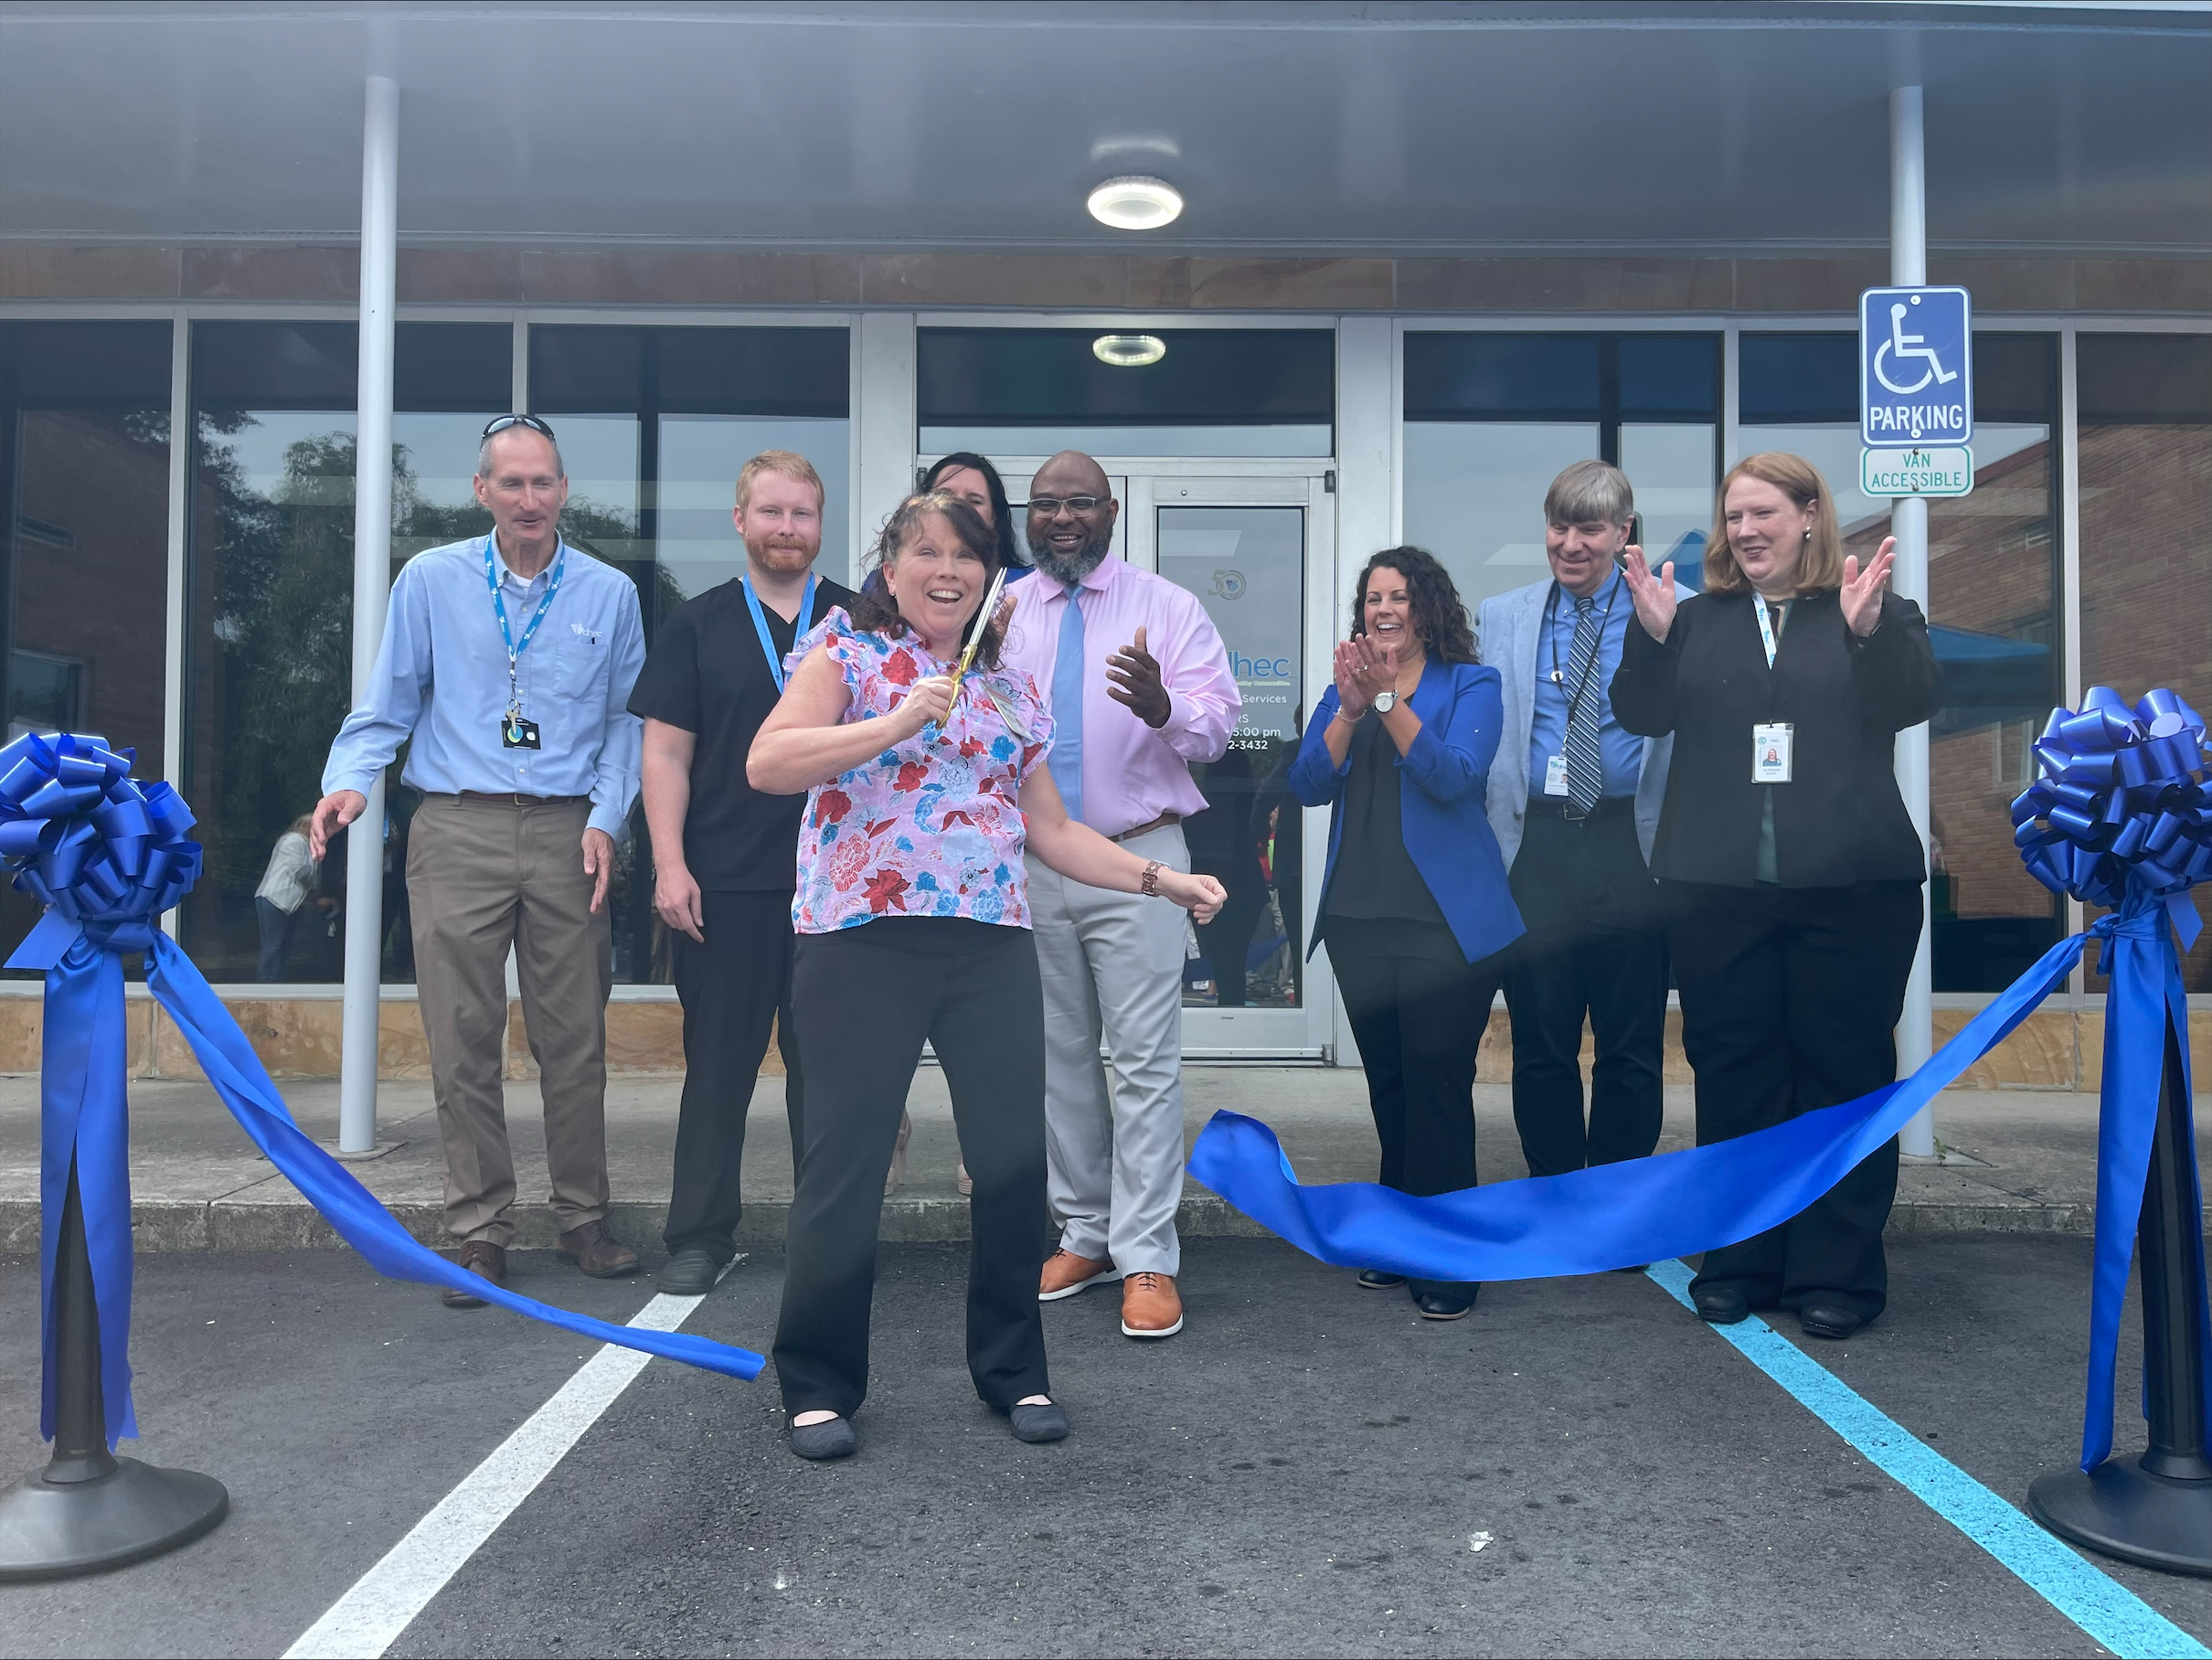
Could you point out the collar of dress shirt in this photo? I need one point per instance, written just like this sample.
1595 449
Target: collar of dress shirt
510 578
1099 578
1597 599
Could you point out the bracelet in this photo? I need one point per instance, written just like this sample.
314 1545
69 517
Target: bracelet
1149 883
1355 719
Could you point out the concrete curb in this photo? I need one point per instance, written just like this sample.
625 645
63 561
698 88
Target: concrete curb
292 1225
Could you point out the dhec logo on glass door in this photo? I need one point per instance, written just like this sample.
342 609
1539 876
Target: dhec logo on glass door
1916 390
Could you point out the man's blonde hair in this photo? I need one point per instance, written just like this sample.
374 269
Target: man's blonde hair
1821 567
790 463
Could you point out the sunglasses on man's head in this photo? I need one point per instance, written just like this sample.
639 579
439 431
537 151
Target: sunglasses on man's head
500 423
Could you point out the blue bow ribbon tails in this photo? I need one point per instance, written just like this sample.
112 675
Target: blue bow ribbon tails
2120 817
107 856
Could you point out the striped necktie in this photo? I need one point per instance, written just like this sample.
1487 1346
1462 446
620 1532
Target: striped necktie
1585 762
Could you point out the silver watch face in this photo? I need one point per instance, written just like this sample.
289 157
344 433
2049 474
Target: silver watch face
1385 701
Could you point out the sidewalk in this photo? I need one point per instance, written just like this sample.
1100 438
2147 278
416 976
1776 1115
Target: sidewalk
2019 1160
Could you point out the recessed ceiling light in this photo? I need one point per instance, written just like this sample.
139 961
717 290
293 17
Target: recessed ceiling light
1134 202
1129 351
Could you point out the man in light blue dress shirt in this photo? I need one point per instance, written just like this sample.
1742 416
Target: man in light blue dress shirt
509 661
1574 801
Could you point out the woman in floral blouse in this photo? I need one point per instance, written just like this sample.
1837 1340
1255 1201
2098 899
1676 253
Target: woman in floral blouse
913 923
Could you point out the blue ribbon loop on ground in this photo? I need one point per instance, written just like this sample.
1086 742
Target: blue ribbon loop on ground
107 856
2122 817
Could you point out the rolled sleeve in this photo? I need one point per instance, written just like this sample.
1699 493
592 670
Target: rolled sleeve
616 779
370 739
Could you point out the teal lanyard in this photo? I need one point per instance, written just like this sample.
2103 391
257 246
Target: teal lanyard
529 633
759 625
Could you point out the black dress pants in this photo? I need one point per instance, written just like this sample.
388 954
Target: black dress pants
1790 998
733 988
866 997
1417 1009
1594 947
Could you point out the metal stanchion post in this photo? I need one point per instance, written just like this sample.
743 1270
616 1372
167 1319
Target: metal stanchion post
88 1509
2156 1509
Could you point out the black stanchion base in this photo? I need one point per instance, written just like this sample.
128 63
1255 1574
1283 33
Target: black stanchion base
50 1530
2122 1510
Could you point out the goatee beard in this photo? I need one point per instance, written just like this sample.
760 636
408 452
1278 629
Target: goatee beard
1075 566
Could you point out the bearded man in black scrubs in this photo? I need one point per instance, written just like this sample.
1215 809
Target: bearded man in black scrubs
724 855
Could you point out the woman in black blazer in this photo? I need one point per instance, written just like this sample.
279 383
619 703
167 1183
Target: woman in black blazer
1791 871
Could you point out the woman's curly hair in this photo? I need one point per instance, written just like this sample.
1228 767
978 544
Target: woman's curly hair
874 609
1440 616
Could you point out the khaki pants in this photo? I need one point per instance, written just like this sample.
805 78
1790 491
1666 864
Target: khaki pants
482 875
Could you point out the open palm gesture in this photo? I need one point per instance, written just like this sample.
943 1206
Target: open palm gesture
1862 591
1654 595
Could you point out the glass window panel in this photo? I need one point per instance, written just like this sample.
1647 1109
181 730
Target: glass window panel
700 455
1458 376
1799 379
1669 374
1247 566
1475 496
1670 469
84 492
982 378
2143 379
1131 441
270 605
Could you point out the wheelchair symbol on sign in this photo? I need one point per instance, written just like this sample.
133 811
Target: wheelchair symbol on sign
1901 346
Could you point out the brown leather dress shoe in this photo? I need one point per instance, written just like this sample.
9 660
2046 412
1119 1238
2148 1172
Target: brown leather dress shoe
487 1260
598 1252
1066 1273
1151 1306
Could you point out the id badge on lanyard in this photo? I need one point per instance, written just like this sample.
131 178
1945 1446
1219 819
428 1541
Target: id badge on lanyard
514 731
1772 741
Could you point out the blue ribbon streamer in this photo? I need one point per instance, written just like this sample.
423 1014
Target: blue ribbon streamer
107 856
2121 816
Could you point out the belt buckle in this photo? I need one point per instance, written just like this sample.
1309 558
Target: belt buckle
1574 815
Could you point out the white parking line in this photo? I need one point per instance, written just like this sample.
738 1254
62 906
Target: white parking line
366 1621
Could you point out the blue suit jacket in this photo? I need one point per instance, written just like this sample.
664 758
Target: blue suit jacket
1441 781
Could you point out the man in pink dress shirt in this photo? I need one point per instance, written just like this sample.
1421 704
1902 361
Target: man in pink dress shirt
1139 685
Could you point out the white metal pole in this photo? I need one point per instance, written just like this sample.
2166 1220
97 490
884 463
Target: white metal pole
372 592
1908 524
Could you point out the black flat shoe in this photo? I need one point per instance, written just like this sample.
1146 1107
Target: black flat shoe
1442 1305
691 1272
1374 1279
1828 1320
832 1437
1039 1423
1721 1307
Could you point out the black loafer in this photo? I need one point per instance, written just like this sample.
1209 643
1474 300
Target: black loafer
1442 1305
832 1437
1828 1320
1721 1307
691 1272
1374 1279
1039 1423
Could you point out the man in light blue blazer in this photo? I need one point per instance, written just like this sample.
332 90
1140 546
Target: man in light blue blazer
1574 801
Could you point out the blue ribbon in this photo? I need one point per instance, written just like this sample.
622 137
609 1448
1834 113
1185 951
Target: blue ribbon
2123 814
107 856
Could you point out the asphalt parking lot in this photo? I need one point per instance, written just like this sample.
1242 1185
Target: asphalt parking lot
1580 1468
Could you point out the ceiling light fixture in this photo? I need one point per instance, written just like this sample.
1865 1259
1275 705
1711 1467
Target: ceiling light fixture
1134 202
1129 351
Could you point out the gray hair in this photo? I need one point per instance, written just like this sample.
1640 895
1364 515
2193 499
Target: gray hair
483 451
1590 491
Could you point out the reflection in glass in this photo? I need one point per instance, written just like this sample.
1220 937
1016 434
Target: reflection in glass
1247 566
1475 496
700 456
1311 438
1670 469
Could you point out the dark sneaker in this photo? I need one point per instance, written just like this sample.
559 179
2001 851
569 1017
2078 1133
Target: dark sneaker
691 1272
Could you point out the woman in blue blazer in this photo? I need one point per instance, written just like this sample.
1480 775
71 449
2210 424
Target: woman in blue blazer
1414 902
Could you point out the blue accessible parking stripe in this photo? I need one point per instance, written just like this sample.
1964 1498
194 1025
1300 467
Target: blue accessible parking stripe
2102 1606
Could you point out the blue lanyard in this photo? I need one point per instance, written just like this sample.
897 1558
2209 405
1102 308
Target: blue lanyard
499 605
759 625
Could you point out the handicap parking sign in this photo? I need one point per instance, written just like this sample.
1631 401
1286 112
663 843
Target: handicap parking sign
1915 368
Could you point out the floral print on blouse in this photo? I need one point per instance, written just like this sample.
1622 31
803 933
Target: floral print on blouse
932 827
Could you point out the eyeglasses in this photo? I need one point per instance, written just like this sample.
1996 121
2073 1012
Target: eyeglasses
500 423
1050 506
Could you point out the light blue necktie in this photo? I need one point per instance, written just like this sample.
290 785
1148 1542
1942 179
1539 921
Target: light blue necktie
1066 762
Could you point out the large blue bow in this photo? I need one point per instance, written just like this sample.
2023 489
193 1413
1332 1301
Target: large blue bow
107 856
2121 816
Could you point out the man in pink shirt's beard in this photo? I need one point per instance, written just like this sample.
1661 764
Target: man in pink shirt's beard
1140 688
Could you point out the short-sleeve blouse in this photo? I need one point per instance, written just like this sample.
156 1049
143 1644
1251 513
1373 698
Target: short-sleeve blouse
933 826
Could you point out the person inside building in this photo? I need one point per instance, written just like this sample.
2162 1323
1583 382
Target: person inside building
508 660
930 804
287 885
1574 801
1414 905
1138 683
1790 871
723 853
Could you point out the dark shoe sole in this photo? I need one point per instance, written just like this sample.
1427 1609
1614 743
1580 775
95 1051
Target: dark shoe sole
1456 1314
1834 1331
1392 1284
822 1441
461 1299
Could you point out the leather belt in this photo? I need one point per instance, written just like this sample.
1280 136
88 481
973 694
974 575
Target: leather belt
1554 806
1149 826
506 798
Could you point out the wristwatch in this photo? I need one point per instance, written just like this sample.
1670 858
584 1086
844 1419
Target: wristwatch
1385 702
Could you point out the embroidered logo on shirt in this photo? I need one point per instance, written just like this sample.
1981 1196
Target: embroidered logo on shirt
581 632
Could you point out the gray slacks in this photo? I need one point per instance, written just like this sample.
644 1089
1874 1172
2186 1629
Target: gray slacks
1112 965
482 875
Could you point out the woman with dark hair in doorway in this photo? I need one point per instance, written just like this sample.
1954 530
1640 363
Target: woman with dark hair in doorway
970 478
1414 902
